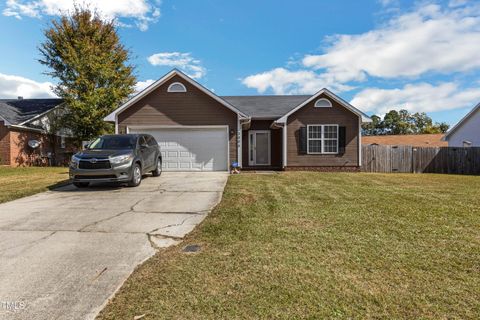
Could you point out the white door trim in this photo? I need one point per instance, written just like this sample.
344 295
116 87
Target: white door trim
254 161
226 127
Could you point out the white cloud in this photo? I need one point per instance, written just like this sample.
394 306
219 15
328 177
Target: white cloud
412 47
457 3
14 86
422 97
143 84
142 12
180 60
283 81
386 3
427 40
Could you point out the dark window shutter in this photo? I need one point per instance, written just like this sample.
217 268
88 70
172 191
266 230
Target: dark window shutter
342 139
303 140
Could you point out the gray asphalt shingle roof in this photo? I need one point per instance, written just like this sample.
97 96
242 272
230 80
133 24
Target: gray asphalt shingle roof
16 111
265 106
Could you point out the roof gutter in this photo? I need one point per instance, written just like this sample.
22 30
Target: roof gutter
16 126
277 125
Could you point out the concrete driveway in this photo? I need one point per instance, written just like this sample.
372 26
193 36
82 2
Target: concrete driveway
63 253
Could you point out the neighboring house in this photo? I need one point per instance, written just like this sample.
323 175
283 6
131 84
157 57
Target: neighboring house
24 120
466 133
415 140
198 130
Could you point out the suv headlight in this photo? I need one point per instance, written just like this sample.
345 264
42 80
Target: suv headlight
74 161
121 159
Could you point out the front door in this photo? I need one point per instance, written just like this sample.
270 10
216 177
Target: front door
259 148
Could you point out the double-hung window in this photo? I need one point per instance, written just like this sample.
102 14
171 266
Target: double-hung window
322 139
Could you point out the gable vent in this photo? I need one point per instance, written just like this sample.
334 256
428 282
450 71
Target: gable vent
177 87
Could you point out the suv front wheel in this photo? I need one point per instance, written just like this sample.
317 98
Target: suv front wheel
136 176
158 169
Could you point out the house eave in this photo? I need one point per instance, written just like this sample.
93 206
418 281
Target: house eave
21 127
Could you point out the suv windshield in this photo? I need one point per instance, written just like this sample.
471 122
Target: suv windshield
113 143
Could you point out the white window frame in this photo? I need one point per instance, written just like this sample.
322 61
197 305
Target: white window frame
321 100
322 138
170 87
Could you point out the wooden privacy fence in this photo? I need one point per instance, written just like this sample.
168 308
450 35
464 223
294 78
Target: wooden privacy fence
453 160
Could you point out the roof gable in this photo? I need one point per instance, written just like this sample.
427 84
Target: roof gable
461 122
334 97
112 116
20 111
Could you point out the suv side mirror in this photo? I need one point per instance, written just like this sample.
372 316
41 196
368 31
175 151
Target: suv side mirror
144 146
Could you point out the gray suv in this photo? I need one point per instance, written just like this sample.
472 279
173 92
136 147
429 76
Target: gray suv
116 158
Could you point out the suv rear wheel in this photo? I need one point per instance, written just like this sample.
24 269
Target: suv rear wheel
158 169
136 176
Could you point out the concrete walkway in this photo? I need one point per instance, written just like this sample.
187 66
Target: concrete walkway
63 253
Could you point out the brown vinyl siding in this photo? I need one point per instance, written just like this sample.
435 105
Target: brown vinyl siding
191 108
276 143
337 114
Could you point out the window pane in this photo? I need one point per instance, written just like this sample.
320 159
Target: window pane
330 146
330 132
315 132
314 146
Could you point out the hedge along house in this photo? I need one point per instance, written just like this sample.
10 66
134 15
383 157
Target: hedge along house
200 131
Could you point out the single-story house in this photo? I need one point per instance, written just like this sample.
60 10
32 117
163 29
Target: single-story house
414 140
198 130
23 139
466 133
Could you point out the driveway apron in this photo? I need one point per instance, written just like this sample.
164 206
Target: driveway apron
64 253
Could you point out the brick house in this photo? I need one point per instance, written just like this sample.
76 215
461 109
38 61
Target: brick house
26 120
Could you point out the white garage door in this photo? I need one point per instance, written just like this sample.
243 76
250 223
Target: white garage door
191 149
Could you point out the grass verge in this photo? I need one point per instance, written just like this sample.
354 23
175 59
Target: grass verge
321 245
24 181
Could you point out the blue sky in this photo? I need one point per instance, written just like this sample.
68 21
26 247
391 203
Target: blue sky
379 54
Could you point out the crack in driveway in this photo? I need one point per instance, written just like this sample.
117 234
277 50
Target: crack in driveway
111 217
59 262
172 225
31 243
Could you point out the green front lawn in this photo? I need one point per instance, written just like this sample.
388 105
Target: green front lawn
24 181
321 245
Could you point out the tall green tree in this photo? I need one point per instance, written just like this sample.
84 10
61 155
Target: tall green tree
397 122
373 128
402 122
84 53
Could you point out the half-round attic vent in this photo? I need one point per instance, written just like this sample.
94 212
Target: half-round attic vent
176 87
323 103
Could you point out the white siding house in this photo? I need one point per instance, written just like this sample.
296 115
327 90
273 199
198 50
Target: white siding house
466 133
